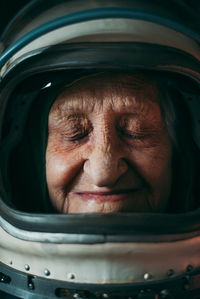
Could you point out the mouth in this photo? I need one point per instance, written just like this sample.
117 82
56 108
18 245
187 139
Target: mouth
110 196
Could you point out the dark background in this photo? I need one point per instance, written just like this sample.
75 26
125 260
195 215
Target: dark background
8 8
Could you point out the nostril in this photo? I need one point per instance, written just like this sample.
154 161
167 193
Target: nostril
86 166
122 166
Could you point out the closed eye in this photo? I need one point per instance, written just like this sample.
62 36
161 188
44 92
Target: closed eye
77 137
132 135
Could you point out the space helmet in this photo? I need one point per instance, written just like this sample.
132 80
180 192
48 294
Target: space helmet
44 254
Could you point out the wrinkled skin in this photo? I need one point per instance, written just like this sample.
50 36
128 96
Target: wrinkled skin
108 149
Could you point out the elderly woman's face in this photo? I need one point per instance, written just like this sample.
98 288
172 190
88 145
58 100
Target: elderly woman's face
108 149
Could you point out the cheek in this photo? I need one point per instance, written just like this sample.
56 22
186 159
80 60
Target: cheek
154 166
61 167
155 169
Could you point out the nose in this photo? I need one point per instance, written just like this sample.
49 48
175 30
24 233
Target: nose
105 164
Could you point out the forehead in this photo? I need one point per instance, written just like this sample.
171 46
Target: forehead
119 91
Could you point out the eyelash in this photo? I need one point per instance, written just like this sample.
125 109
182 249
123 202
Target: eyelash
77 137
135 137
132 135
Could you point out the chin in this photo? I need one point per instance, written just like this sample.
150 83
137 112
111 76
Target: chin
76 207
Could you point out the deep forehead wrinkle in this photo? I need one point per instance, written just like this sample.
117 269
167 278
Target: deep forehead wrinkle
121 91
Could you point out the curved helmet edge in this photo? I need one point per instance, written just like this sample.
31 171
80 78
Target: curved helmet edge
90 15
51 256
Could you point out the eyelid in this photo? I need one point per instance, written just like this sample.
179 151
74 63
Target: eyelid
134 135
77 134
78 137
75 127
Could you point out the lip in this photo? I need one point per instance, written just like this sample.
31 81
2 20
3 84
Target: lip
110 196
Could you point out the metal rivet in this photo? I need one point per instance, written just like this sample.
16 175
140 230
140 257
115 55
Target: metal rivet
31 286
147 276
76 295
46 272
170 272
71 276
27 267
164 293
105 295
4 278
189 268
